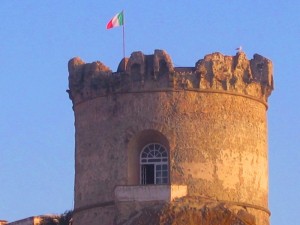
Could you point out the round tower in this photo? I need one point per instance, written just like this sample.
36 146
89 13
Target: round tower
152 138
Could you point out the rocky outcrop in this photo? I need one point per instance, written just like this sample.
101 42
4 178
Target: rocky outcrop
192 211
215 72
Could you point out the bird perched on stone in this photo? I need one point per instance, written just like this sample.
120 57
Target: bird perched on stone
239 49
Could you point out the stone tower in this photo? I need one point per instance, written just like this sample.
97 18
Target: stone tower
158 144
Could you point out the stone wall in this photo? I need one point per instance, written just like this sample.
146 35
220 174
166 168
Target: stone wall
211 117
233 74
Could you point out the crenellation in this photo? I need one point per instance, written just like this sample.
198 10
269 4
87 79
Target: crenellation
155 72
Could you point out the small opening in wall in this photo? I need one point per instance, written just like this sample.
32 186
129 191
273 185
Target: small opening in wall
163 69
136 72
148 174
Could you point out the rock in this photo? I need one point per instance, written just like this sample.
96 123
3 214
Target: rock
192 211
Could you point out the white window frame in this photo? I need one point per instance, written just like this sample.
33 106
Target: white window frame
155 154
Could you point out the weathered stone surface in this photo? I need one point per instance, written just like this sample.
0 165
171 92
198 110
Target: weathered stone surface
87 80
211 118
237 74
192 211
234 74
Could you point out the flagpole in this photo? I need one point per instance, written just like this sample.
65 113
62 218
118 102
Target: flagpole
124 41
124 45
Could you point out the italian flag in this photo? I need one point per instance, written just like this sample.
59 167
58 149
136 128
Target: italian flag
117 20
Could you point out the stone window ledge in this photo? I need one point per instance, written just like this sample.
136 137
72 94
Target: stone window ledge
149 193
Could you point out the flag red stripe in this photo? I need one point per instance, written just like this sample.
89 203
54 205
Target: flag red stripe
109 25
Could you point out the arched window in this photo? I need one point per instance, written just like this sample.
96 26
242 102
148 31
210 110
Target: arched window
154 164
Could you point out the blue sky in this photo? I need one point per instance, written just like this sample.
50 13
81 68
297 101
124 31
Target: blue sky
37 38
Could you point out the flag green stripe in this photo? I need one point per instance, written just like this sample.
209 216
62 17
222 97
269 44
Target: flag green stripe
121 18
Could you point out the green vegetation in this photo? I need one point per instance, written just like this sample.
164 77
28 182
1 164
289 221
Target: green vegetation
63 219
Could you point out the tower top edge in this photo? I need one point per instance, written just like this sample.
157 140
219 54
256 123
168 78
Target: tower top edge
142 72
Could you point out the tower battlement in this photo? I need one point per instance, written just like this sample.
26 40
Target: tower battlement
158 144
143 73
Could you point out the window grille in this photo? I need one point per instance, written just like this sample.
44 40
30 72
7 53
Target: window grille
154 164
